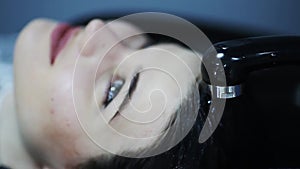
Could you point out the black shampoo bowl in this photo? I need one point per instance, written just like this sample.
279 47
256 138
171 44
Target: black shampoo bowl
261 122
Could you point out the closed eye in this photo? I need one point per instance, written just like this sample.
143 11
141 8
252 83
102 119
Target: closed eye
131 89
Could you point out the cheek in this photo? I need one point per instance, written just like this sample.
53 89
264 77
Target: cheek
66 116
64 129
61 108
69 102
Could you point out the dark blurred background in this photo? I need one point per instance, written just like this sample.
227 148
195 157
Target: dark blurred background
273 16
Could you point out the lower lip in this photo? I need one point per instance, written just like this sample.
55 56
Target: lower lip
59 38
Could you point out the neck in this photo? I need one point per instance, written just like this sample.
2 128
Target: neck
12 150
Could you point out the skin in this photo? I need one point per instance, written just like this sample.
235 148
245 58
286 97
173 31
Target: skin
58 109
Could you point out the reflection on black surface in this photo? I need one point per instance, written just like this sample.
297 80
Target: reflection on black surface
260 128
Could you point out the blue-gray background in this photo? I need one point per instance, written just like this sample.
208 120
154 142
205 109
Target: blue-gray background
276 16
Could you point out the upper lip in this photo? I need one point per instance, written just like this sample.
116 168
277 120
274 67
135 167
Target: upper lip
59 38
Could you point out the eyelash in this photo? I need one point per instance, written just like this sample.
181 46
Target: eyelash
133 84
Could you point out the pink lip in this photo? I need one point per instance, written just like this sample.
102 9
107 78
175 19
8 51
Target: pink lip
59 38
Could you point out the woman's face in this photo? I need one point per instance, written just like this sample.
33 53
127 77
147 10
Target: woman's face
80 91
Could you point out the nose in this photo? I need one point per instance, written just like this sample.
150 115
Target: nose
102 46
94 25
91 28
100 40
